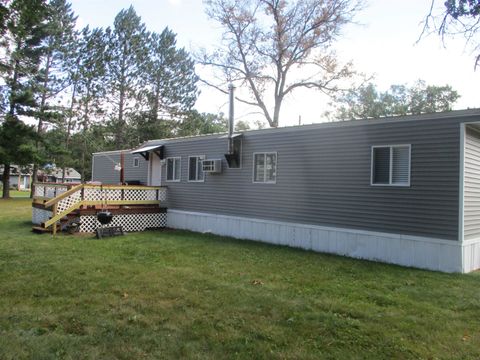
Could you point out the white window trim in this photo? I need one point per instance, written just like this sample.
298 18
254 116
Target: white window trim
202 157
265 168
407 184
176 158
137 160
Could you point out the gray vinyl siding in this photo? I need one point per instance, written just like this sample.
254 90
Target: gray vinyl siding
323 177
472 184
104 163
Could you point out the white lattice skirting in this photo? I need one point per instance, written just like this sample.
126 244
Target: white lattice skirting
40 216
129 222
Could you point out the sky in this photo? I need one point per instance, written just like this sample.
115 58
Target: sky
382 44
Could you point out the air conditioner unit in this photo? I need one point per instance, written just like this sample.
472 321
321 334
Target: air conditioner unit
213 166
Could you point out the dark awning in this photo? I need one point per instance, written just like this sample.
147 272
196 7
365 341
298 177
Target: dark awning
147 149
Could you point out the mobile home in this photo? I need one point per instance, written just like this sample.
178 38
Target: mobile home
402 190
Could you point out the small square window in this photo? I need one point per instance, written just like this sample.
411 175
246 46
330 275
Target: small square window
265 168
391 165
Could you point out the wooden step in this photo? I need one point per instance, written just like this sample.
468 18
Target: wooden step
40 230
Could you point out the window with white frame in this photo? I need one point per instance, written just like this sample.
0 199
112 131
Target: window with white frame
265 167
195 168
136 162
174 167
391 165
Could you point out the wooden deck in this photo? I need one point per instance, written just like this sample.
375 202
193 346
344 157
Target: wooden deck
55 206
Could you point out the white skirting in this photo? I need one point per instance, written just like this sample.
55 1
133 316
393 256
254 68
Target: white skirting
471 255
129 222
421 252
40 216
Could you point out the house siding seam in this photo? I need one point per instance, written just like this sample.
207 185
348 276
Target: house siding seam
471 215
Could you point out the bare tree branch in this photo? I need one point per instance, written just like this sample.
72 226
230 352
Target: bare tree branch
265 42
453 18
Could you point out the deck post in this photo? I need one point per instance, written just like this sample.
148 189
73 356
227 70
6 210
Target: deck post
54 212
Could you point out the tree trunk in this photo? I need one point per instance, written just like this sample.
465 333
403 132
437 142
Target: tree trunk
85 128
276 112
82 174
13 89
69 127
43 102
34 180
6 181
120 138
156 102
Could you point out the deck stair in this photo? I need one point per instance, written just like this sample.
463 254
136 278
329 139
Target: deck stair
55 210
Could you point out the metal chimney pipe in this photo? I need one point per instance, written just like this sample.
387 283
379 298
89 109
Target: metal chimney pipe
231 119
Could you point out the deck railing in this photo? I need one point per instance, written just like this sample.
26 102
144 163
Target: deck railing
68 200
51 190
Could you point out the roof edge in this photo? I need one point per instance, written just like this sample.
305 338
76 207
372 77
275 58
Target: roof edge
352 122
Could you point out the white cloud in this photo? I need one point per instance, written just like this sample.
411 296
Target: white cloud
175 2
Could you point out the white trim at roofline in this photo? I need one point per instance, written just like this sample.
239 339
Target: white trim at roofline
146 148
112 152
415 251
458 114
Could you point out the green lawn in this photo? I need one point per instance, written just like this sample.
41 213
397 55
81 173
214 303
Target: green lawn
17 193
183 295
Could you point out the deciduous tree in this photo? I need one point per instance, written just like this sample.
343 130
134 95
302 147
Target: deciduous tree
368 102
196 123
456 18
273 47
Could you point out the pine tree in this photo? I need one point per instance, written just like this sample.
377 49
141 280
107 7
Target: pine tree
126 54
169 89
24 34
170 77
90 86
58 46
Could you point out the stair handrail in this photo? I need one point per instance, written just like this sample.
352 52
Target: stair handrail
58 216
84 201
62 196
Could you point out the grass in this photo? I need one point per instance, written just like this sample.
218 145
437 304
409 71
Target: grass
176 294
17 193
